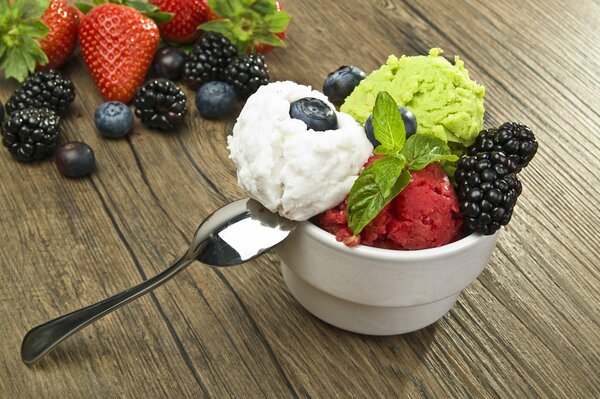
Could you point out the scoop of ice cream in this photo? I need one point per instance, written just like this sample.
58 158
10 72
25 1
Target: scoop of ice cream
445 101
287 167
424 215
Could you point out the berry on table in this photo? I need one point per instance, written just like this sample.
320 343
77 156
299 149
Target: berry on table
44 89
246 74
340 83
208 59
317 115
113 119
410 125
487 190
31 134
516 141
187 15
215 99
75 159
160 104
169 62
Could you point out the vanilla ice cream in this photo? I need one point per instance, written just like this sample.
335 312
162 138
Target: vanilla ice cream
289 168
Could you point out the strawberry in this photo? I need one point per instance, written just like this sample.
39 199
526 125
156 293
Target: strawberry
118 44
187 15
34 33
59 43
250 25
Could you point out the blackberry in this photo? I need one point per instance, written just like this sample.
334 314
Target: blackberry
487 190
31 134
160 104
44 89
515 140
246 74
211 54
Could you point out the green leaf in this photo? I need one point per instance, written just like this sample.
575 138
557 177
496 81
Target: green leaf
269 39
223 26
141 6
161 17
278 22
84 7
265 7
227 8
31 9
421 150
374 188
388 125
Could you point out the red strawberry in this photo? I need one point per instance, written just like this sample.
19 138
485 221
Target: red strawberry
59 43
251 26
187 15
35 33
117 44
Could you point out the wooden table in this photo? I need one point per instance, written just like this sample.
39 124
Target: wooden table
528 327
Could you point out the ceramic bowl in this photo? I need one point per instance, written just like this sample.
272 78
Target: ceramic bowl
378 291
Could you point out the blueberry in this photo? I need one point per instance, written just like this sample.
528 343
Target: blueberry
169 62
340 83
75 159
410 124
113 119
215 99
315 113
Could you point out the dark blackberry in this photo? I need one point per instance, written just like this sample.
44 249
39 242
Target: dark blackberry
211 54
31 134
487 191
44 89
246 74
160 104
515 140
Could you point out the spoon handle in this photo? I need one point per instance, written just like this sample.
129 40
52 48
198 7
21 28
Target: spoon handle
42 339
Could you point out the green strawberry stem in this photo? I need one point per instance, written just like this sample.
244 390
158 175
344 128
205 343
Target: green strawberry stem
149 10
379 183
20 30
248 23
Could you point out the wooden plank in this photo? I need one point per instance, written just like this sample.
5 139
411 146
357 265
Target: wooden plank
528 327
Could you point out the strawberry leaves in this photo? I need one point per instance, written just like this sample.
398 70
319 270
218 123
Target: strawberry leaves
380 182
248 23
20 30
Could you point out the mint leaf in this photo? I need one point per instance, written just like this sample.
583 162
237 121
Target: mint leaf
388 125
375 187
421 150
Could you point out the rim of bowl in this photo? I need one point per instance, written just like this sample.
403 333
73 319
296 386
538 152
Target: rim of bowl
366 251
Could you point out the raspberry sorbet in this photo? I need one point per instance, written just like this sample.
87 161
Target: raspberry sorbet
424 215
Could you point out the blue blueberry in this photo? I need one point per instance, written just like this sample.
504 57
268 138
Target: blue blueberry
215 99
410 124
315 113
340 83
169 62
113 119
75 159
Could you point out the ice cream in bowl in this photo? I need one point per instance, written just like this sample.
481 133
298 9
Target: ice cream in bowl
401 193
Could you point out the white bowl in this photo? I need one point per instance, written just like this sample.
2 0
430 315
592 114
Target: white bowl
378 291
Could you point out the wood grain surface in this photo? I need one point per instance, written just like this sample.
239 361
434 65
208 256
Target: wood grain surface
528 327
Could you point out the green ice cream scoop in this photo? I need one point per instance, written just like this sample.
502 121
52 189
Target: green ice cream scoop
445 101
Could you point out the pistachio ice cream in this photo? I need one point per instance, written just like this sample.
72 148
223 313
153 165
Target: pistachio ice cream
444 100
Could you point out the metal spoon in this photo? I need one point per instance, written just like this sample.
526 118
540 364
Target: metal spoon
236 233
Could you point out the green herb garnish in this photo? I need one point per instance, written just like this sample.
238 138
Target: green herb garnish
379 183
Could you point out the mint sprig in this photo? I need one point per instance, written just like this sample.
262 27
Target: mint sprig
379 183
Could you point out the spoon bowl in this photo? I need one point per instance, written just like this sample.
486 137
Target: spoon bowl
234 234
